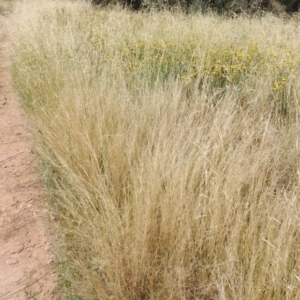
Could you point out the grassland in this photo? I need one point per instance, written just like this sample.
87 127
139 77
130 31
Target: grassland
170 149
6 6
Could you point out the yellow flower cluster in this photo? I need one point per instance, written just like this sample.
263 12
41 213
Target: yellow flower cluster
190 59
279 84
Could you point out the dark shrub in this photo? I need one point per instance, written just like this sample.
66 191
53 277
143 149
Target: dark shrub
220 6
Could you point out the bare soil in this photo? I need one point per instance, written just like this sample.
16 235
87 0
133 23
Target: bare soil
26 259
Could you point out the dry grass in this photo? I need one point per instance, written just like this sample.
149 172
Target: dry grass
6 6
170 146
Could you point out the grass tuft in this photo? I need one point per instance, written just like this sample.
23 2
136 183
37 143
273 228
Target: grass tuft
6 6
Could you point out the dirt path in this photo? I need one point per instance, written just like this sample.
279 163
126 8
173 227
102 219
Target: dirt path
26 265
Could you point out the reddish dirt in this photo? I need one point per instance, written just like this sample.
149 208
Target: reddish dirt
26 261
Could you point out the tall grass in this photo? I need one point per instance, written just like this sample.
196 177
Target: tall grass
170 146
6 6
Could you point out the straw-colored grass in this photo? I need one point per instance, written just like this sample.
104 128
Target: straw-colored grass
170 146
6 6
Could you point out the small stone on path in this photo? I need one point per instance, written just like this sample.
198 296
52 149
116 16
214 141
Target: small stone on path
17 249
11 261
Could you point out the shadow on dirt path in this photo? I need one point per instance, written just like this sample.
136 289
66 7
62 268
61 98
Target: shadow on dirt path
26 262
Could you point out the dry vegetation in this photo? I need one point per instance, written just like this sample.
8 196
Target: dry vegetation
170 148
6 6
